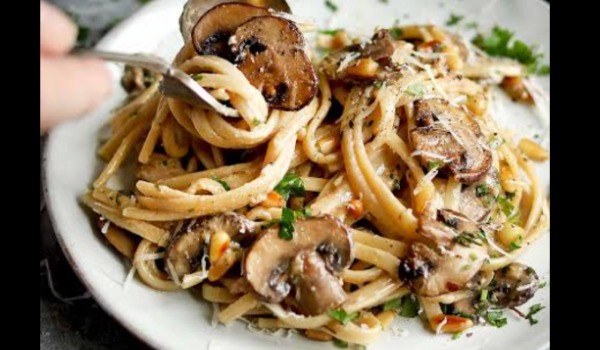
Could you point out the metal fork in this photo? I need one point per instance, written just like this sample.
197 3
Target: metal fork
176 83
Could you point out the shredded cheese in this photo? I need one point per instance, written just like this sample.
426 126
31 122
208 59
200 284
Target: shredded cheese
348 58
105 227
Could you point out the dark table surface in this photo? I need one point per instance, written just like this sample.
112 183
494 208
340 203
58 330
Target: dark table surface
69 317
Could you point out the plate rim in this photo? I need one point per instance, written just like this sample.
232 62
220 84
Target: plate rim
99 297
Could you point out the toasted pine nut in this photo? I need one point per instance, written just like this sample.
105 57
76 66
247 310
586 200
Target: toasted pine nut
219 242
386 318
317 335
364 67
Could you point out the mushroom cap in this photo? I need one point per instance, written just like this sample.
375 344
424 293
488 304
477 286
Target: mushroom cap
211 33
267 261
185 249
194 9
431 274
513 285
463 146
271 54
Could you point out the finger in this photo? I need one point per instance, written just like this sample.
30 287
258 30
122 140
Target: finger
71 87
57 31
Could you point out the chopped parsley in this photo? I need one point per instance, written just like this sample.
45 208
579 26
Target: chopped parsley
331 32
435 164
468 238
396 33
517 244
385 1
342 316
482 190
291 184
512 214
472 25
83 34
340 343
331 5
406 306
397 184
286 224
532 311
223 183
417 90
499 43
456 335
483 296
378 84
496 319
454 19
256 122
543 284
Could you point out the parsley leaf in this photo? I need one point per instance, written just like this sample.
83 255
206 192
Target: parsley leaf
197 77
331 5
468 238
482 190
543 284
342 316
435 164
291 184
286 224
406 306
378 84
340 343
496 319
456 335
498 43
223 183
454 19
396 33
331 32
532 311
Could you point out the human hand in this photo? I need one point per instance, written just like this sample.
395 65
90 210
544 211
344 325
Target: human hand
69 86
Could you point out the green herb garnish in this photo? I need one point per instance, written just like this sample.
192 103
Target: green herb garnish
340 343
406 306
197 77
454 19
543 284
434 164
496 319
331 5
286 224
331 32
468 238
456 335
482 190
378 84
499 43
223 183
532 311
396 33
291 184
342 316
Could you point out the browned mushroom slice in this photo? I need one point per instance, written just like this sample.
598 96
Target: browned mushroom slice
448 224
184 252
270 53
479 199
211 34
310 276
513 285
321 247
362 63
431 273
465 134
194 9
436 145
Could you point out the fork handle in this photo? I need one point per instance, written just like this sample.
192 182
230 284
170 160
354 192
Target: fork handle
146 61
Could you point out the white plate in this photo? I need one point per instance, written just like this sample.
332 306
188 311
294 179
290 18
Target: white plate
178 320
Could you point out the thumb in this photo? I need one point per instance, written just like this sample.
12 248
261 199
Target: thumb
70 87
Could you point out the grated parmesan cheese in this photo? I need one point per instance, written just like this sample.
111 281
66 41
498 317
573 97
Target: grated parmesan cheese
105 227
348 58
129 277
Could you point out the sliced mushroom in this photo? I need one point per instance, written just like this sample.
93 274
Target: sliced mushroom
211 34
310 277
270 53
340 65
464 149
185 250
194 9
444 228
320 248
431 273
513 285
479 199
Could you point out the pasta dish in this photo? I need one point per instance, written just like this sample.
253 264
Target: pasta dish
360 182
